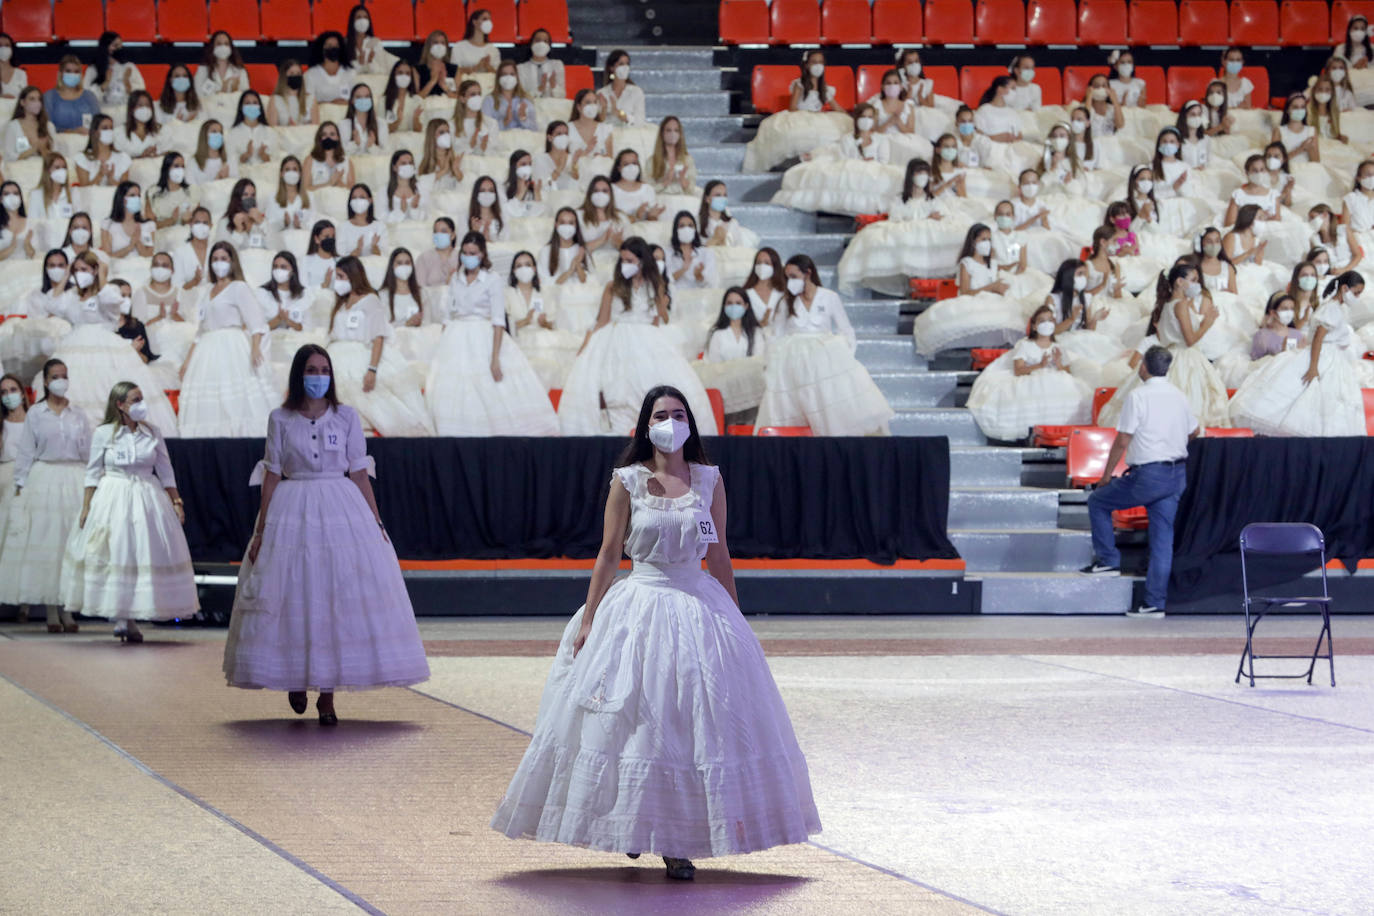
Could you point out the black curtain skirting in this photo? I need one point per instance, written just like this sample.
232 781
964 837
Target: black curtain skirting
1233 482
880 499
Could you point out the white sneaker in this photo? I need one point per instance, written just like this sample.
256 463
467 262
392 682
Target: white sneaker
1146 611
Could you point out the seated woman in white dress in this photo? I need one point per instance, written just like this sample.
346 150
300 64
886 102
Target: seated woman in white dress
893 106
402 103
322 252
567 269
1303 288
1335 238
362 131
476 53
813 378
210 162
179 100
1084 328
368 370
480 383
331 74
139 137
410 308
226 384
1178 201
508 108
671 168
111 76
364 47
1030 385
765 285
1050 242
718 227
541 76
1025 94
222 69
100 163
170 201
533 314
1256 273
603 225
289 309
1313 391
27 341
812 119
633 197
441 168
472 129
998 121
1104 108
362 233
484 211
522 195
29 133
691 265
621 99
1219 277
588 132
192 256
16 233
735 356
127 233
244 224
292 102
554 166
328 164
628 352
404 200
982 314
251 140
1358 50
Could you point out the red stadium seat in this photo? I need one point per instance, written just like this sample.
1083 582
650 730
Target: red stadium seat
744 22
1100 398
1051 436
794 21
946 80
76 19
238 18
982 357
1051 85
897 22
286 19
551 15
1228 432
1259 77
1303 22
136 20
1136 518
948 22
577 77
717 408
784 431
1342 11
503 19
27 20
262 77
1152 22
44 76
1185 83
154 75
1156 85
739 430
768 86
1203 22
180 20
430 15
1076 81
1255 22
842 79
973 82
845 22
871 80
1051 22
1102 22
1087 455
999 22
327 15
1368 395
863 220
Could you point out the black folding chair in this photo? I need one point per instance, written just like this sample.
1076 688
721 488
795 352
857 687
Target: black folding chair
1283 539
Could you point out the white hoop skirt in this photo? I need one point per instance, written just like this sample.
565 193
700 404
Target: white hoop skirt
740 381
97 359
883 255
665 735
788 134
35 535
394 407
1006 405
833 185
325 607
26 343
813 380
1190 373
130 561
465 400
1274 400
977 320
222 395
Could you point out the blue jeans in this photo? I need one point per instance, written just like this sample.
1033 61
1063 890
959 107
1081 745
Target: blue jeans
1157 487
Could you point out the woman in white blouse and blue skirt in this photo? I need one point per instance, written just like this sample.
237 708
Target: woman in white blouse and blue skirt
480 383
321 603
127 558
49 472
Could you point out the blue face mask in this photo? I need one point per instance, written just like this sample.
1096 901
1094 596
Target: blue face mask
363 104
966 128
317 386
214 141
252 112
71 80
180 83
1233 66
471 261
442 240
734 312
719 204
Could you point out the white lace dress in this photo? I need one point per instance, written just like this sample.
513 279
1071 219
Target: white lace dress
666 734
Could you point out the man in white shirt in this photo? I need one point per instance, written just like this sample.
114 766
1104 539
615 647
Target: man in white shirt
1153 432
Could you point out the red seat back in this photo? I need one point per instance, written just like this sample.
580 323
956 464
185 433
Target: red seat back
1228 432
1100 398
1254 22
949 22
744 22
434 14
794 21
1087 454
1102 22
1368 395
1259 77
973 82
136 20
945 80
842 78
1303 22
1051 22
238 18
897 22
1342 11
999 22
392 20
1184 83
27 20
1076 81
717 407
768 86
285 20
1203 22
76 19
262 77
182 20
870 80
551 15
1051 85
504 26
1156 85
845 22
332 15
1152 22
577 77
784 431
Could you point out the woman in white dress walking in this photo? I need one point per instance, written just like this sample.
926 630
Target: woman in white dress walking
321 603
127 559
661 729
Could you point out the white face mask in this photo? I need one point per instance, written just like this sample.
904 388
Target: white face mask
1196 121
560 141
1027 74
1298 114
1125 70
1367 182
200 231
1357 35
1323 268
58 387
622 72
892 90
223 52
58 176
629 171
1258 177
220 268
1059 143
437 51
686 234
1322 97
161 274
1145 185
443 141
539 48
486 198
281 275
816 70
629 271
591 110
921 179
796 285
763 271
81 236
1168 149
1307 283
600 198
1215 99
507 81
342 286
359 205
982 247
110 295
11 201
403 81
1045 329
913 70
1080 283
566 231
1350 298
1100 94
669 435
1338 76
661 265
949 153
6 52
83 278
138 411
524 273
1273 163
405 171
57 274
106 136
1194 290
176 174
1030 190
485 26
291 178
402 272
523 172
1285 316
864 123
143 114
474 103
361 25
1078 127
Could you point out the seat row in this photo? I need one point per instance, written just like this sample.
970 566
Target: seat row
270 20
770 83
1289 23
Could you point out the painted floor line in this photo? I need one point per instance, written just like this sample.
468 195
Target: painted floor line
1206 696
247 831
834 852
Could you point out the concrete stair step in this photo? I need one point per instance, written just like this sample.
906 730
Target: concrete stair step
654 80
825 248
658 58
659 105
1055 593
953 422
827 272
716 129
767 219
905 390
725 158
985 466
873 316
998 508
1022 550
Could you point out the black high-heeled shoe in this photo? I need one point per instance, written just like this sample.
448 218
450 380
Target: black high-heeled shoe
327 717
632 855
299 701
680 869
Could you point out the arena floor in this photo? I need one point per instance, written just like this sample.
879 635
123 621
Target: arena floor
1037 766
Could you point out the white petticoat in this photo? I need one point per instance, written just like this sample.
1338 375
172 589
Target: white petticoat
37 525
814 380
665 735
1006 405
222 394
979 320
394 407
740 381
97 359
325 607
1192 374
130 561
787 134
885 254
26 343
848 186
465 400
1274 400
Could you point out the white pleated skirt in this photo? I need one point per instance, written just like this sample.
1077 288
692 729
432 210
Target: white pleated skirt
813 380
222 394
394 406
465 400
37 526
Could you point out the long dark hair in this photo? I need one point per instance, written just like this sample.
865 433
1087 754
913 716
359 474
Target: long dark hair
908 187
641 449
48 367
808 267
1157 163
748 322
130 328
295 385
1348 279
623 289
1064 291
777 281
990 93
294 284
